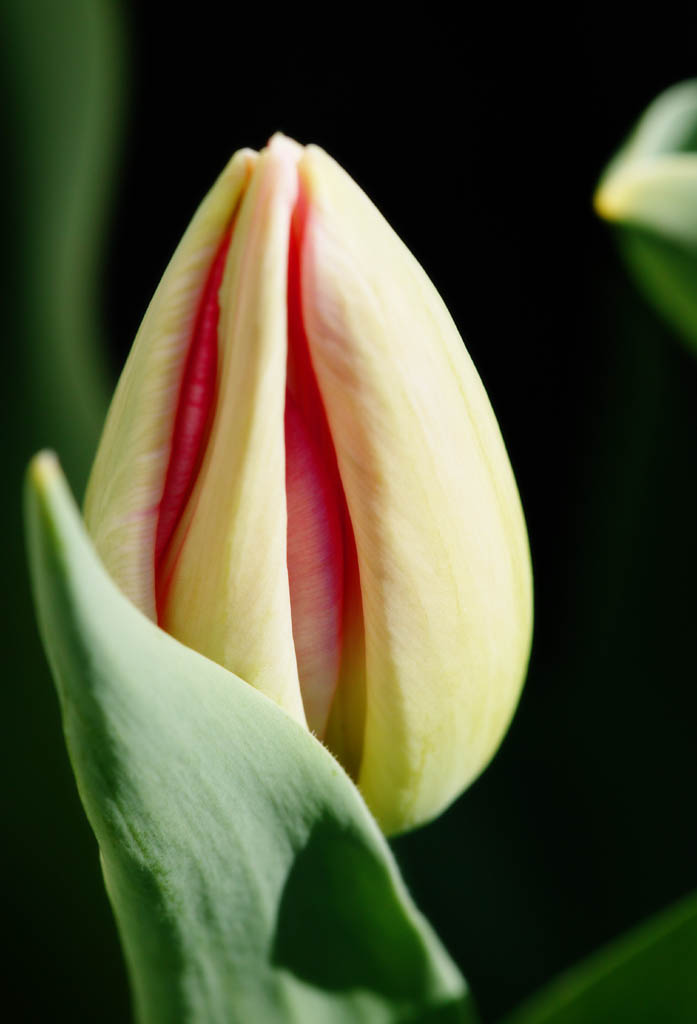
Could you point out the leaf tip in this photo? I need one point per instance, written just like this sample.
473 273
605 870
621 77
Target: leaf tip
609 200
44 469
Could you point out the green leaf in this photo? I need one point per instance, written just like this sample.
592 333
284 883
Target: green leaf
646 977
649 191
248 879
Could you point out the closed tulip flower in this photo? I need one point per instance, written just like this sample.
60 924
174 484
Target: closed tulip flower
301 477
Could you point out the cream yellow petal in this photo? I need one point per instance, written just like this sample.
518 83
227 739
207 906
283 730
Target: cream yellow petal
442 548
229 597
127 479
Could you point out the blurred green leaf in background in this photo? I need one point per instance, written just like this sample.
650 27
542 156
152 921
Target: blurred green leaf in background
649 190
646 976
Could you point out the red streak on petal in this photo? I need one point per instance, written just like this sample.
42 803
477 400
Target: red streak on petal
193 416
345 730
316 508
315 568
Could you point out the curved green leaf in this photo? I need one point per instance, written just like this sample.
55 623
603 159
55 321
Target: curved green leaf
649 190
248 879
646 977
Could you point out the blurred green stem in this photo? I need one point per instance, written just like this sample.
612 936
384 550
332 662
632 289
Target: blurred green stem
63 89
62 84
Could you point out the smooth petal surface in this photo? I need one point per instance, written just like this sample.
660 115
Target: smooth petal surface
128 477
248 880
443 558
229 596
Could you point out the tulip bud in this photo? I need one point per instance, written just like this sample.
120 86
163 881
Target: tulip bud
301 477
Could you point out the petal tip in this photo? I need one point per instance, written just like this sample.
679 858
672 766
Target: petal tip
285 147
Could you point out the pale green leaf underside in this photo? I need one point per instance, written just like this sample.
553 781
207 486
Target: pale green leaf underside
646 977
248 879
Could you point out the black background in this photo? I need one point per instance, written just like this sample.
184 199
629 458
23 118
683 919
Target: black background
481 143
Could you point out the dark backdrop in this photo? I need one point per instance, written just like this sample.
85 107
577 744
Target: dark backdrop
481 144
